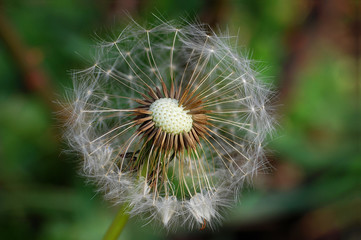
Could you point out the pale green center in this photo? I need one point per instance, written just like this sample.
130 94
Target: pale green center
170 117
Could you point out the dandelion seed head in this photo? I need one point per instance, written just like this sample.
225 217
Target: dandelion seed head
171 121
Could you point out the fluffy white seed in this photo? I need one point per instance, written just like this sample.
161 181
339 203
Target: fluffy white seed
166 208
201 207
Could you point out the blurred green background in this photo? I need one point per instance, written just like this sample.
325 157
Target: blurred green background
311 53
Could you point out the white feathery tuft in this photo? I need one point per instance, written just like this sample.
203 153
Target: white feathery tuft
201 207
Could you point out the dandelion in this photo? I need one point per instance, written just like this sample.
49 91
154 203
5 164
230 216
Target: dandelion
170 120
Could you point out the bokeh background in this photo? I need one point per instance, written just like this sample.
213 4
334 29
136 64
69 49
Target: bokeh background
309 50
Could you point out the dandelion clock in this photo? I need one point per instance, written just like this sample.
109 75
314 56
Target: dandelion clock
170 121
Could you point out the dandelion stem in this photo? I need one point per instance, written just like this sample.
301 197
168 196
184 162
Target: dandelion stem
118 224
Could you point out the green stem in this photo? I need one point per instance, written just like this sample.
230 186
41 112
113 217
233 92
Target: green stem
118 224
